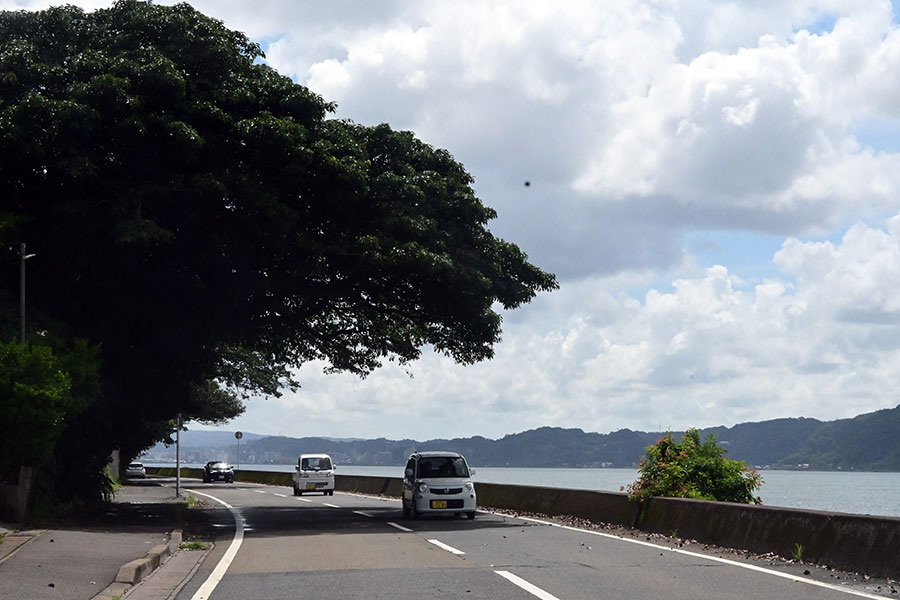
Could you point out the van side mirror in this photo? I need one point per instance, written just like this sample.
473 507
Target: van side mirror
408 473
471 472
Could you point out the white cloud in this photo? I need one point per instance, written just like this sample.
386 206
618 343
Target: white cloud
634 122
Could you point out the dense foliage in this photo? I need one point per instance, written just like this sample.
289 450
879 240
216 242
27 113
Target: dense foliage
40 393
197 217
693 468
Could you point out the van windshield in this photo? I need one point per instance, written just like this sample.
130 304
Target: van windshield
316 464
442 466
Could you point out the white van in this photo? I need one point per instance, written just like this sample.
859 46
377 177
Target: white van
314 473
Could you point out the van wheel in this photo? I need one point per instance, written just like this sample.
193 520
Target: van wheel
471 515
296 490
405 511
331 492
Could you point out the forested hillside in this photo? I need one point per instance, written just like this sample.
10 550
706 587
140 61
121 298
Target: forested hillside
869 442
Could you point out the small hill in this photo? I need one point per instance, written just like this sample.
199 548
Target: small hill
869 442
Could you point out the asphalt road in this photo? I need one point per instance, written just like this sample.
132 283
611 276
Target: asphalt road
270 544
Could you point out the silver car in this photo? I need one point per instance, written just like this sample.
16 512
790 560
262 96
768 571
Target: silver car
136 469
438 482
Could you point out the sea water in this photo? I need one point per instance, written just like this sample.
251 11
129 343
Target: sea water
837 491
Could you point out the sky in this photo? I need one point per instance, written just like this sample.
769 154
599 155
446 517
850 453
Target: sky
715 184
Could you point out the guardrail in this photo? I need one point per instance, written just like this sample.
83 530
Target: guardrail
859 543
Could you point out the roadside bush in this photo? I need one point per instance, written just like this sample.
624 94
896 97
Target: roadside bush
694 469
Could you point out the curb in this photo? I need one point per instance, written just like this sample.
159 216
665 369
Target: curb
10 542
133 572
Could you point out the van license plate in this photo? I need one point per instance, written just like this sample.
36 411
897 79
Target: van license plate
310 486
438 504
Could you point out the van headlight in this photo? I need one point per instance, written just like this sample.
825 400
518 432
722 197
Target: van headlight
469 486
423 488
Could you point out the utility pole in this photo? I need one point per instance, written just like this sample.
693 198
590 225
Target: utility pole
178 455
22 258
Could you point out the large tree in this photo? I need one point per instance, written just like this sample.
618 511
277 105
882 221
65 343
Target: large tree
199 217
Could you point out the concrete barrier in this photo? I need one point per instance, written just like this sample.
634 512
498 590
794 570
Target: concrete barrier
379 486
604 507
859 543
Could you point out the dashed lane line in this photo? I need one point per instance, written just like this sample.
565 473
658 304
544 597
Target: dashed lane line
330 505
528 587
400 527
444 546
363 513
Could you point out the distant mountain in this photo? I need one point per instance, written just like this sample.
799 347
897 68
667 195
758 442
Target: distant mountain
869 442
198 438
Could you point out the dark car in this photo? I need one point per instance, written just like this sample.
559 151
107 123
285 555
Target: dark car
217 470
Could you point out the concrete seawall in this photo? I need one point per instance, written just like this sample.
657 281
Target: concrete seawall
859 543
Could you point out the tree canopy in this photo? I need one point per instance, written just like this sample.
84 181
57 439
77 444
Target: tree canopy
693 468
200 219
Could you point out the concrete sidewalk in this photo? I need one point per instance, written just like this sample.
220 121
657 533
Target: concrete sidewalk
104 555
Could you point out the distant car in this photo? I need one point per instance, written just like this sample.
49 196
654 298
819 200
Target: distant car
136 469
217 470
438 482
314 473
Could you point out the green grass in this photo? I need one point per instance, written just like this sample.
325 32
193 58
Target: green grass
797 553
195 545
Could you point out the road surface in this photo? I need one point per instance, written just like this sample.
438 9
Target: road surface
272 545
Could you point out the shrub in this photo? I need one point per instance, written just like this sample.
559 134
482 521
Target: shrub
694 469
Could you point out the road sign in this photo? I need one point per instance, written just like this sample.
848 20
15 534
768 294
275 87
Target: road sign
238 435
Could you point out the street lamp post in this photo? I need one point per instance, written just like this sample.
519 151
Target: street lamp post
22 258
178 455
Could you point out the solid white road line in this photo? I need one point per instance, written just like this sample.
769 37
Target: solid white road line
450 549
363 513
330 505
219 572
528 587
733 563
400 527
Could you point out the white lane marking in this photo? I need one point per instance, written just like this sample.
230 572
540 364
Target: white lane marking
450 549
219 572
528 587
259 491
733 563
281 495
363 513
303 499
400 527
330 505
